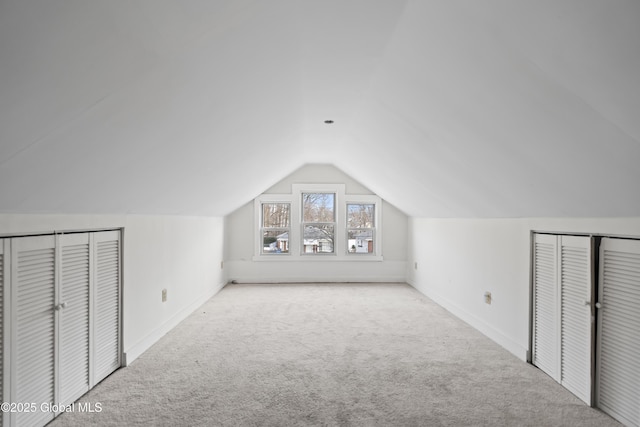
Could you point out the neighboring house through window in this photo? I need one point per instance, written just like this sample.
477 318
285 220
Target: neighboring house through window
276 220
318 222
360 227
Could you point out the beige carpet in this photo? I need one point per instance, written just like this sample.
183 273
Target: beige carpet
329 355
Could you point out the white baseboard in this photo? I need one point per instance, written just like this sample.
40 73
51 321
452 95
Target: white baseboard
309 272
516 349
133 352
332 279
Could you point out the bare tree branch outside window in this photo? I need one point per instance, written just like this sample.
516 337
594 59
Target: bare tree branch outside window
360 227
276 221
318 216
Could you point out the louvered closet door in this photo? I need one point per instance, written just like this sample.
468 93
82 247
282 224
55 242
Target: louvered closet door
73 317
576 326
618 390
546 340
106 314
33 326
2 324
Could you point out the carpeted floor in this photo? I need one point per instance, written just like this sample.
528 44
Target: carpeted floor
329 355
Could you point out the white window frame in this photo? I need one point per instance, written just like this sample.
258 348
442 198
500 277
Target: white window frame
340 249
338 191
272 198
377 215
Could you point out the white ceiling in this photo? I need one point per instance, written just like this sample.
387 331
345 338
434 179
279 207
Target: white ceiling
444 108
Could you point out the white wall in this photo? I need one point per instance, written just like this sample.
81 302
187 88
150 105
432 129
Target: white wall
180 254
240 228
458 260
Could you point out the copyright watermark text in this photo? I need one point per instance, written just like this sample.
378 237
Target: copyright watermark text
23 407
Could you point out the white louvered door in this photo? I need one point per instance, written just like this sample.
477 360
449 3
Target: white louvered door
618 390
73 317
2 333
33 326
59 319
575 322
546 348
562 319
106 306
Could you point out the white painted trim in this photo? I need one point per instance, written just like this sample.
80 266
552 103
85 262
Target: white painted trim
317 258
334 279
311 271
133 352
257 209
297 221
513 347
377 222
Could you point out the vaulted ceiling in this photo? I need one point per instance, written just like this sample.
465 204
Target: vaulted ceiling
444 108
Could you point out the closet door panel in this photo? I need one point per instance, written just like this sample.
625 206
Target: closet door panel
545 315
33 326
60 319
576 326
106 315
619 330
2 325
562 325
73 300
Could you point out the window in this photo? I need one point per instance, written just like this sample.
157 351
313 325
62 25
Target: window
318 222
360 228
276 226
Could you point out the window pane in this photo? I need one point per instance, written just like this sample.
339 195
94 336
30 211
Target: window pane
275 242
360 241
360 215
318 207
275 215
318 239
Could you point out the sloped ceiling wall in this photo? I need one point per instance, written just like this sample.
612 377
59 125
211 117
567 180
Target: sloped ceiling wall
444 108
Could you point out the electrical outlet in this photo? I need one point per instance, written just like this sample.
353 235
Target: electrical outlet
221 265
415 265
164 295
